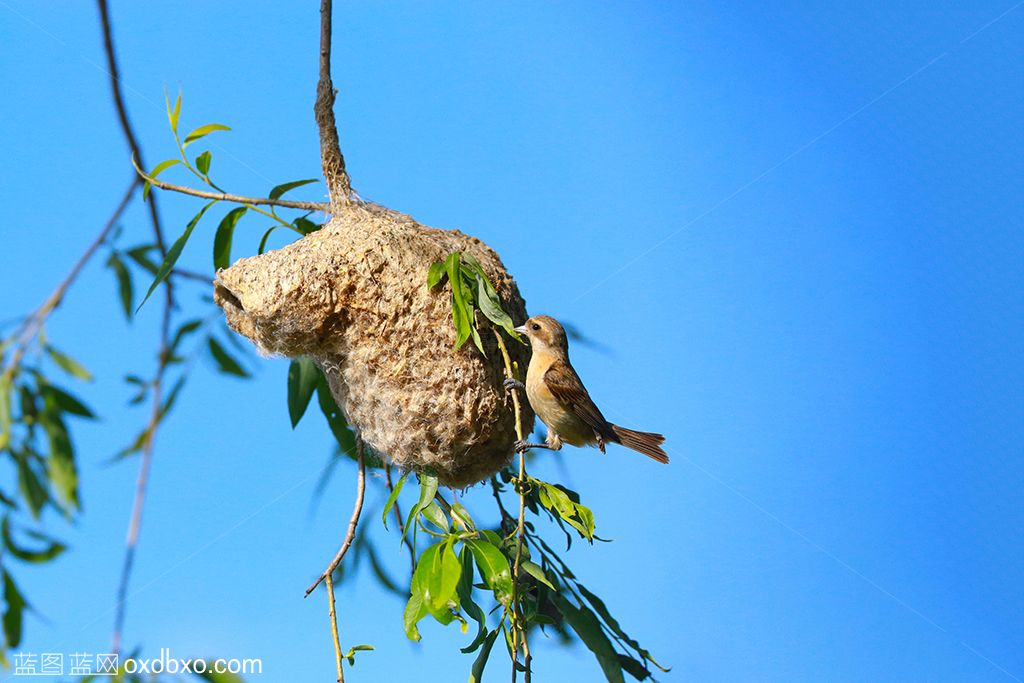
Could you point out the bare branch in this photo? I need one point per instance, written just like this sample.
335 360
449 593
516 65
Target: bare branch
329 582
225 197
352 522
32 324
338 184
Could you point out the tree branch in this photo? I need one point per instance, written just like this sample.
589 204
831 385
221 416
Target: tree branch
519 626
34 322
338 184
225 197
142 481
352 522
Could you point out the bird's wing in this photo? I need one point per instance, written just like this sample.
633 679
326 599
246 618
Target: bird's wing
567 388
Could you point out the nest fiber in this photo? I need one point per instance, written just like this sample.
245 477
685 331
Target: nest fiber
353 296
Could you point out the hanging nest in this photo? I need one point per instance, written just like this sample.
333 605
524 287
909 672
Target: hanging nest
353 296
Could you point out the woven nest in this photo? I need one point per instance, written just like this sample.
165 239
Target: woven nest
353 296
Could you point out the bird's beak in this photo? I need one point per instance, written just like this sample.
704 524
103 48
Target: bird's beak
521 329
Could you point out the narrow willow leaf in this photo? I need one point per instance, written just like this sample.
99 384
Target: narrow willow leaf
227 364
224 236
477 672
390 503
174 252
588 628
140 255
266 235
435 274
32 490
68 364
286 187
306 226
5 410
428 488
12 615
163 166
182 332
436 516
416 608
634 668
494 568
613 624
61 469
303 375
536 572
203 131
465 592
47 553
203 162
67 403
462 314
439 569
125 290
557 499
173 112
490 305
335 418
461 514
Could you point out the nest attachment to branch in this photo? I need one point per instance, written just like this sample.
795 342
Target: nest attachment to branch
353 296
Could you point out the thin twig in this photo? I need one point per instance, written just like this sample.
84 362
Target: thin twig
34 322
352 522
227 197
338 184
329 581
398 518
142 481
521 528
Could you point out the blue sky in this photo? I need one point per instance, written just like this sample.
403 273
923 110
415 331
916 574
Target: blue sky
796 230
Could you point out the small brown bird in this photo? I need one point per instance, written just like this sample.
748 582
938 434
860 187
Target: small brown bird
562 402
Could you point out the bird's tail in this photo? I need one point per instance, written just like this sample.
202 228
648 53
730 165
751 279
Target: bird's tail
647 443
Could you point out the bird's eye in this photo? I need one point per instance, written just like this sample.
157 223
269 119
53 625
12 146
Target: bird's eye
535 327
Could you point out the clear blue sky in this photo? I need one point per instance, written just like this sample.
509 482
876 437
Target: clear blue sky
797 229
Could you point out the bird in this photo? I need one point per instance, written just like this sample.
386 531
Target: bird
560 400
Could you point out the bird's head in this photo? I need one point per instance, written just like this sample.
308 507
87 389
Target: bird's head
545 333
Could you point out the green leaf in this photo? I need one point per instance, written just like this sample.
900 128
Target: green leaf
335 417
435 274
203 162
588 628
12 615
163 166
285 187
306 226
68 364
613 624
32 490
124 283
303 375
183 331
494 568
438 569
52 549
536 572
428 488
5 410
461 514
477 672
173 112
140 255
61 470
226 364
174 252
203 131
350 656
465 592
263 240
557 499
416 607
390 503
462 314
66 402
490 305
225 234
436 516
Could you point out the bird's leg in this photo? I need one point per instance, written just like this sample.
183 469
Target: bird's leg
524 445
600 441
513 384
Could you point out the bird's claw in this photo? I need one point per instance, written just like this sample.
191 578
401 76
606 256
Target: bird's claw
522 445
513 384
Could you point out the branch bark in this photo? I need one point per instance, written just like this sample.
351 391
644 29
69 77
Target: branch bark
336 176
357 509
226 197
